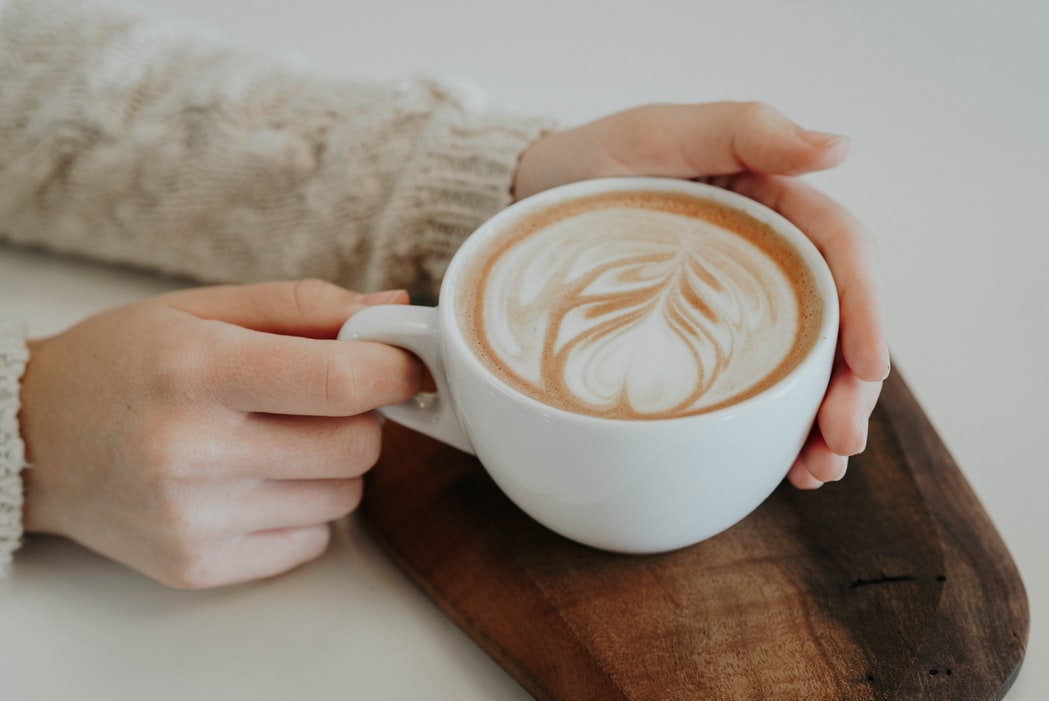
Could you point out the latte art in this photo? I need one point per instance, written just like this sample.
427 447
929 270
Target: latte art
641 305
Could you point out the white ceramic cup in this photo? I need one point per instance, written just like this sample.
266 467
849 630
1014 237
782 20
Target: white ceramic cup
634 486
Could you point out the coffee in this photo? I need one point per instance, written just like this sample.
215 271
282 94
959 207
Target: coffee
639 305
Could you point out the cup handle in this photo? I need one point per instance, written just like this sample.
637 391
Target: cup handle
415 329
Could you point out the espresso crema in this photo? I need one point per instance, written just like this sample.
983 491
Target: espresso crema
639 305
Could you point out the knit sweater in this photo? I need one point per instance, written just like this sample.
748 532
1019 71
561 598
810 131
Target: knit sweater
152 143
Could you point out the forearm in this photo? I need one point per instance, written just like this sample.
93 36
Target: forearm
155 145
13 358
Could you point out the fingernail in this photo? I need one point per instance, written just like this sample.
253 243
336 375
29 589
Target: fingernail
844 469
806 480
382 297
862 429
822 138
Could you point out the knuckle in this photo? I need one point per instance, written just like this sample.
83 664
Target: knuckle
346 496
189 569
341 383
319 537
162 454
639 119
169 476
187 558
850 439
183 530
309 294
857 442
365 444
358 444
754 112
355 492
176 367
189 539
365 375
368 376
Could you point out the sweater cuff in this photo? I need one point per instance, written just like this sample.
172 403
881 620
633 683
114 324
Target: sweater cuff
13 358
460 174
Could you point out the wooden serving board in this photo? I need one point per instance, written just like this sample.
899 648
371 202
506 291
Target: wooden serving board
891 584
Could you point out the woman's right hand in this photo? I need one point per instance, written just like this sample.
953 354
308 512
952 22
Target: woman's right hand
753 149
207 436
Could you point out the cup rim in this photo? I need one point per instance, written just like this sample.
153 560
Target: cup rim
829 325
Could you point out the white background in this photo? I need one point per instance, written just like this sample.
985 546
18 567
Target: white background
947 104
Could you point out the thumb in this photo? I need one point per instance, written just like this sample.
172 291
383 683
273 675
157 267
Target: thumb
718 138
310 308
759 138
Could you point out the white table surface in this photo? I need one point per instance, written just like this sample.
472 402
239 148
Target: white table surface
947 103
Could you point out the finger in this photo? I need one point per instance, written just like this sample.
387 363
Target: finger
250 557
691 141
800 477
281 504
851 254
312 308
259 372
822 464
279 447
844 416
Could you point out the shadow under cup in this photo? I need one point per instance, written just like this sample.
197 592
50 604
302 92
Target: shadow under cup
619 472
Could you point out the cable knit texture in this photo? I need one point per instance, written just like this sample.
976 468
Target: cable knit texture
160 145
13 358
153 143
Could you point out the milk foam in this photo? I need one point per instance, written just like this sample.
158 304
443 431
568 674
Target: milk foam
637 313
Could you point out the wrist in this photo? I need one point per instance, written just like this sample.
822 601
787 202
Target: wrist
527 178
562 157
555 158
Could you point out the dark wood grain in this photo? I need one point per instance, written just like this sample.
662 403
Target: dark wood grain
890 585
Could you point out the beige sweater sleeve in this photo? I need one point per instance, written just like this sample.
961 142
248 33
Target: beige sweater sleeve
13 357
156 144
152 143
